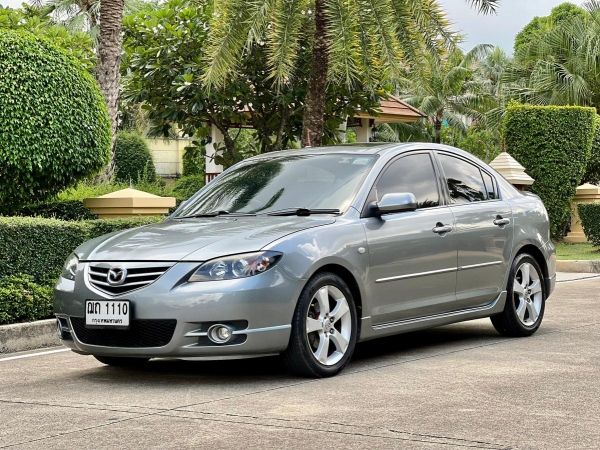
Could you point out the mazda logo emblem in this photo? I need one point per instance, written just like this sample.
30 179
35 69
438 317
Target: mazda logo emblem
116 276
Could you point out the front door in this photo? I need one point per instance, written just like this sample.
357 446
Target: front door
413 255
483 231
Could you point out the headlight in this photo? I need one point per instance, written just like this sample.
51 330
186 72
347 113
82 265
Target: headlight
70 267
236 266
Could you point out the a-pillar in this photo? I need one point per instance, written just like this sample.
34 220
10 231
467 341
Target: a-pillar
211 168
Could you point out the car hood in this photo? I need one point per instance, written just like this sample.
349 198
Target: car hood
195 239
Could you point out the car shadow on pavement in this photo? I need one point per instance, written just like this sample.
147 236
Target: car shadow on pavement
367 354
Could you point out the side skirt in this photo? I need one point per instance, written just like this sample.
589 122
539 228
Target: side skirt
371 331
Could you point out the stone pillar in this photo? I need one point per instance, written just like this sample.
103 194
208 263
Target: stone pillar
212 169
512 171
586 193
364 133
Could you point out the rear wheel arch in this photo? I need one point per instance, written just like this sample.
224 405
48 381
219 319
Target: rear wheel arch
536 254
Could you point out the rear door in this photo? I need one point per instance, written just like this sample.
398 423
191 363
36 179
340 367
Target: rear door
483 230
412 260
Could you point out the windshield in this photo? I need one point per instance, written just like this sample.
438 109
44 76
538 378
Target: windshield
327 181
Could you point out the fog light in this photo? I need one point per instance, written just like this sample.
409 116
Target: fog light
219 334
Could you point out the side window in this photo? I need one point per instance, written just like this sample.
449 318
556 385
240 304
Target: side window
412 173
464 180
489 186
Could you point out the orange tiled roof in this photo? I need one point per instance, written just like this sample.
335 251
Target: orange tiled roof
393 110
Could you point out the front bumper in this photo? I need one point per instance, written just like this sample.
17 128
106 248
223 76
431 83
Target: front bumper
259 309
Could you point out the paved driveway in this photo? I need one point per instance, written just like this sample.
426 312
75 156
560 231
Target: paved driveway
460 386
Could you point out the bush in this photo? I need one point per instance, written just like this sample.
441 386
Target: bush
54 126
589 213
185 187
39 246
554 145
592 174
64 210
133 161
23 300
193 161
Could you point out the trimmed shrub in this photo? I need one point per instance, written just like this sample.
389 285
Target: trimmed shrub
23 300
589 213
133 161
54 126
554 145
592 174
39 247
64 210
185 187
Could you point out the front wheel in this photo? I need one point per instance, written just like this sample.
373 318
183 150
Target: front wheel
525 300
324 328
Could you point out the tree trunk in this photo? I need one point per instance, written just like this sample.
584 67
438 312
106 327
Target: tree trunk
437 125
313 120
109 60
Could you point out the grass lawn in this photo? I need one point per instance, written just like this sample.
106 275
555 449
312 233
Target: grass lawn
576 251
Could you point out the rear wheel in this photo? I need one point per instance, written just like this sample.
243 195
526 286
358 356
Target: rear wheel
324 328
525 301
117 361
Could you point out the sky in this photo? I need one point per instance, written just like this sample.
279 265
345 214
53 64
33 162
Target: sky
499 29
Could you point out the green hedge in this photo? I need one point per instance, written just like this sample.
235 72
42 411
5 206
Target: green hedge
554 144
54 126
64 210
185 187
592 174
589 213
23 300
133 161
39 247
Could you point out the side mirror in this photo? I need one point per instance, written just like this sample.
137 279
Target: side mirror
394 203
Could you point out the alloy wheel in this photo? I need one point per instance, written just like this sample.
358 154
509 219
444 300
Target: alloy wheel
527 294
328 325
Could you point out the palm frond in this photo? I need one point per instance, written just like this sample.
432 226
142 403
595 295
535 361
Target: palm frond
485 6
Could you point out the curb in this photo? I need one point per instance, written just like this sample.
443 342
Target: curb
578 266
28 336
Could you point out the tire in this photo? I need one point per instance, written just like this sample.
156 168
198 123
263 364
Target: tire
118 361
318 353
524 310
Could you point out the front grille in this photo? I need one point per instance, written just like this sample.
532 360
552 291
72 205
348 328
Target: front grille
141 333
132 278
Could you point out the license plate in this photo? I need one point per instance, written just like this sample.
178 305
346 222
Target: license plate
107 313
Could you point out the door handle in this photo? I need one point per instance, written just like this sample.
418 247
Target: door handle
500 221
440 228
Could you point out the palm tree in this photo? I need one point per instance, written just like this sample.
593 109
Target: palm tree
560 66
448 91
352 40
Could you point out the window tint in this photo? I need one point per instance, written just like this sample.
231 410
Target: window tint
412 173
489 185
464 180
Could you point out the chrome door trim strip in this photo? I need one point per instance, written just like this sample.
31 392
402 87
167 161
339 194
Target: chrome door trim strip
415 275
475 266
435 272
460 312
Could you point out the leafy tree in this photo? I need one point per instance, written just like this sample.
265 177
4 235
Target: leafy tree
364 41
165 61
38 21
54 127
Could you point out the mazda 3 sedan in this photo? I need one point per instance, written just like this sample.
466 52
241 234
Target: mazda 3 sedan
304 253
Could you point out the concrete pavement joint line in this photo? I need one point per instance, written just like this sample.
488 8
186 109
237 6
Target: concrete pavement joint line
87 406
579 279
436 441
349 425
31 355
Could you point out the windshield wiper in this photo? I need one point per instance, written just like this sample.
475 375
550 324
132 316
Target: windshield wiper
302 212
221 212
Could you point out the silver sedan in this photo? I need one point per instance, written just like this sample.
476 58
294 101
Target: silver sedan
304 253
